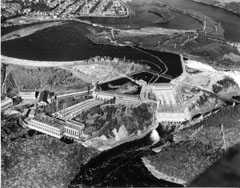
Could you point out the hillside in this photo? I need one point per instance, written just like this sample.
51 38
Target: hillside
37 160
195 148
108 125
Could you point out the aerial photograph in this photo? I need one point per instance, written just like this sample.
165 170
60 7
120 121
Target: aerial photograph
120 93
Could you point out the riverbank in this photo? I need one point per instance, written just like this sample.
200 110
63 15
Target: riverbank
210 50
230 5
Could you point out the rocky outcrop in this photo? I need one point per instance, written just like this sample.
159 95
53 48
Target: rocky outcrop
110 125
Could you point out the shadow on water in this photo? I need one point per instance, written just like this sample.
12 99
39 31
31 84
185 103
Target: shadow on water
121 166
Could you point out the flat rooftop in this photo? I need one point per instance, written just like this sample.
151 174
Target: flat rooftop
77 125
50 121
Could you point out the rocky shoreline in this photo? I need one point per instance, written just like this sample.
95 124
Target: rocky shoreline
161 175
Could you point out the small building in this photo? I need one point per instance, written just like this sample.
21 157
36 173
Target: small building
6 103
45 97
47 125
28 95
115 98
31 113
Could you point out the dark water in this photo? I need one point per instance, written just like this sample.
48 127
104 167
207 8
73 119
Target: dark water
120 167
68 42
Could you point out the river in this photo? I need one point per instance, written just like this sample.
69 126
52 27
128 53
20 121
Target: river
69 42
120 167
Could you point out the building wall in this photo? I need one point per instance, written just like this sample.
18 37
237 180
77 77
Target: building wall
102 96
173 117
27 95
45 128
71 132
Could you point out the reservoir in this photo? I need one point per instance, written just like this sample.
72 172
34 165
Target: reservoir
69 42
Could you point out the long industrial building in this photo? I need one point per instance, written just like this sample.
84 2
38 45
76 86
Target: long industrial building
55 127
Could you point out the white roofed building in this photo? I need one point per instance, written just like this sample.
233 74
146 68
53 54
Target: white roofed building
6 103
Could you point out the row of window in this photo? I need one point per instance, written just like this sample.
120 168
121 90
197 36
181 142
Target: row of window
42 126
72 132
